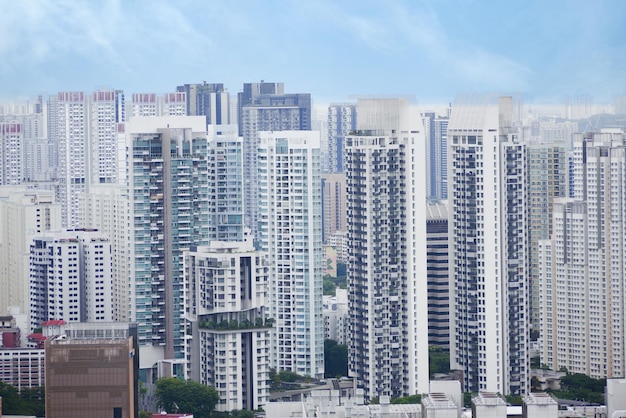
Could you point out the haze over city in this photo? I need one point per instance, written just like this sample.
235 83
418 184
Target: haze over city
429 49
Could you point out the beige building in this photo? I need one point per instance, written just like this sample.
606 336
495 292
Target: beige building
23 214
334 212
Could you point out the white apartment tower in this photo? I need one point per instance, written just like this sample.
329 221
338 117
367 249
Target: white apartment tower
70 277
489 317
290 231
582 265
11 153
226 293
387 280
548 176
83 132
107 208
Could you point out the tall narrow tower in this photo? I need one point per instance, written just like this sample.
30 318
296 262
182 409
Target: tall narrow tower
169 214
290 230
489 321
387 280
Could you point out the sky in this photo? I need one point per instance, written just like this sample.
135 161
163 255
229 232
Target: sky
333 49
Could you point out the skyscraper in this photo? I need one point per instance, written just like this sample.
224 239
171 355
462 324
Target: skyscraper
11 153
107 208
438 275
267 112
489 319
290 233
226 186
209 100
341 121
83 132
385 169
436 128
167 161
333 204
581 266
547 179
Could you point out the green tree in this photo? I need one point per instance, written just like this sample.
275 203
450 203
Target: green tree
407 399
335 359
329 287
178 396
34 401
11 402
438 360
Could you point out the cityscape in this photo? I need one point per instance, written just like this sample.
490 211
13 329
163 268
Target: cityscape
228 246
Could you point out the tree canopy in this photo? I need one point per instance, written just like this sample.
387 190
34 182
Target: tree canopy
178 396
335 359
29 402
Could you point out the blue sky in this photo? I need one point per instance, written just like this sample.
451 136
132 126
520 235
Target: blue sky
333 49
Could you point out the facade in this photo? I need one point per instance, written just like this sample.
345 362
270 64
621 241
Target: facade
68 128
226 185
334 212
107 208
70 277
11 154
539 405
106 155
488 405
226 294
249 94
336 318
341 121
169 213
582 292
438 275
23 368
339 241
436 128
290 233
547 180
83 132
209 100
92 368
267 113
385 159
489 312
24 213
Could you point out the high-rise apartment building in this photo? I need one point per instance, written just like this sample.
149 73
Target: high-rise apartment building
226 185
226 287
70 277
83 132
249 94
209 100
68 128
11 154
169 213
106 155
290 233
547 180
488 224
341 121
267 113
581 266
438 275
334 214
150 104
107 208
387 279
436 128
24 213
